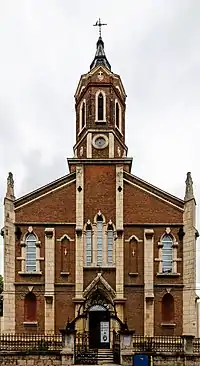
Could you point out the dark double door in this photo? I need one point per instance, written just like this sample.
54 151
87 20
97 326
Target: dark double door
99 329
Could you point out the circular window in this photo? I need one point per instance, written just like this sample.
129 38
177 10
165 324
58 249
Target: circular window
100 141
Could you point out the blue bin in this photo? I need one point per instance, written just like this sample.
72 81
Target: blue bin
141 360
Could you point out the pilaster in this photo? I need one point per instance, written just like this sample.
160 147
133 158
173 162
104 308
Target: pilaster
148 282
49 280
189 261
79 232
89 145
111 145
8 321
119 241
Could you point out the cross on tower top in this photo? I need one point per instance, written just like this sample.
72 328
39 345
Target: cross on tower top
99 24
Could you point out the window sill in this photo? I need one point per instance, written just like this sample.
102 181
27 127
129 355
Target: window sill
168 274
39 273
65 273
133 274
169 325
30 323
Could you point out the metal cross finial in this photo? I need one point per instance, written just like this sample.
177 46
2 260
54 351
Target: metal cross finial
99 24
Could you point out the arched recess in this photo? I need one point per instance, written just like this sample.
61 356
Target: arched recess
133 255
100 106
65 254
167 308
30 307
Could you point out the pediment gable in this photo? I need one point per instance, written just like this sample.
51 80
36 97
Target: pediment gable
99 283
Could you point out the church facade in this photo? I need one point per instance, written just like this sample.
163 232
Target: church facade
100 247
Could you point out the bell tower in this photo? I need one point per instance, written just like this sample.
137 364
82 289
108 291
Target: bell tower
100 103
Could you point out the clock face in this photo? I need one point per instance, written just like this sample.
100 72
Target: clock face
100 142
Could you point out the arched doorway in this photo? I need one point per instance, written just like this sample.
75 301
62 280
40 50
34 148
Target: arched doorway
99 327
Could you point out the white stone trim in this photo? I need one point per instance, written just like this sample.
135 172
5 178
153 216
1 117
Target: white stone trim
134 237
9 317
45 194
79 228
65 236
189 269
111 145
104 106
148 282
89 145
80 115
49 280
97 279
120 116
153 194
120 239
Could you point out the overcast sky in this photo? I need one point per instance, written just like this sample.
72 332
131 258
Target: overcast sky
45 45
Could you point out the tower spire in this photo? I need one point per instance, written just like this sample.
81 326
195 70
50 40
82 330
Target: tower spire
100 56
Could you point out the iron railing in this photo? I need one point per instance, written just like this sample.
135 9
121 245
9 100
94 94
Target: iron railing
116 347
83 353
157 344
30 342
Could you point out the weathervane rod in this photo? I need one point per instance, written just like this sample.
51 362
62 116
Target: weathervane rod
99 24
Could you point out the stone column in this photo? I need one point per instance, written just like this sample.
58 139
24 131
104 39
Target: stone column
119 256
189 260
49 280
8 321
79 241
111 145
89 145
67 353
148 282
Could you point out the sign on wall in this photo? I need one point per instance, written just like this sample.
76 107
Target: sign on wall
104 330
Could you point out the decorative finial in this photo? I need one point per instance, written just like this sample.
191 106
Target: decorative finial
10 186
100 57
189 194
99 24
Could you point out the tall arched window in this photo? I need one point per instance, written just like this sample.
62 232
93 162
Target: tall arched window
99 239
100 107
31 253
83 115
167 244
88 249
167 308
110 240
30 308
117 121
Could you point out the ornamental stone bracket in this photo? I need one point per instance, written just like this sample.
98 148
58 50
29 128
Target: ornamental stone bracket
49 232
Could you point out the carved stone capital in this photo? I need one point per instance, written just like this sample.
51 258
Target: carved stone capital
49 232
